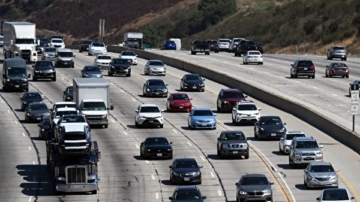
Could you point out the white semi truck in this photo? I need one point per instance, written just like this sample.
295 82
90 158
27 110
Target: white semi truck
91 96
20 40
133 39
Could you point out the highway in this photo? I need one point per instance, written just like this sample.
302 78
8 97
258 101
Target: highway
329 96
125 176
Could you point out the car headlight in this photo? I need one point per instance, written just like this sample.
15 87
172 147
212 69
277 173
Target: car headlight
25 102
148 150
283 130
242 192
46 55
42 130
165 90
37 71
91 177
28 114
202 84
334 177
147 89
267 191
152 69
175 173
244 146
312 178
47 114
318 153
86 75
7 80
24 79
256 114
169 149
262 129
297 154
196 173
225 102
60 179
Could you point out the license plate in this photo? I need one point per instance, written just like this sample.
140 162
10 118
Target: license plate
65 63
76 186
273 134
235 152
157 93
45 74
159 154
186 179
17 86
194 87
151 121
204 124
309 158
305 68
181 107
38 118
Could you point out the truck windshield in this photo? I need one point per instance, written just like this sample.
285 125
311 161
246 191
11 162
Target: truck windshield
93 106
65 54
16 72
24 41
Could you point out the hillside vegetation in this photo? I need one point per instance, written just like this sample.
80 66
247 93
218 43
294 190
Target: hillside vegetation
283 26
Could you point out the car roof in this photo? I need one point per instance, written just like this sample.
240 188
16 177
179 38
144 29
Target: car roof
149 105
74 128
188 187
155 61
270 117
66 109
333 189
231 90
185 159
304 60
71 114
156 138
64 50
254 175
32 92
178 93
246 102
295 132
202 108
191 74
155 80
318 163
304 139
61 103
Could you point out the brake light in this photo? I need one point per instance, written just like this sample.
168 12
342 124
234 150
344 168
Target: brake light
333 69
347 69
298 68
312 67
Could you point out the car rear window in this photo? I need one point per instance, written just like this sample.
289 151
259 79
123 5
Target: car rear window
339 65
305 63
233 95
254 53
339 48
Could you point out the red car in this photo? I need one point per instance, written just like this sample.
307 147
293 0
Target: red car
178 102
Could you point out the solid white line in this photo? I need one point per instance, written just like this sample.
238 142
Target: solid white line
153 177
125 133
9 111
137 146
30 198
2 101
147 161
15 122
219 192
23 134
315 87
202 158
133 99
113 120
212 174
174 131
157 195
34 162
112 83
29 148
334 94
189 144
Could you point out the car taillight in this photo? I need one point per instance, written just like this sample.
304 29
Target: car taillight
333 69
312 67
256 47
298 68
347 69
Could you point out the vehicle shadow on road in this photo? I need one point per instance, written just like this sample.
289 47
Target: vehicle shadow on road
216 157
278 153
167 182
144 127
289 167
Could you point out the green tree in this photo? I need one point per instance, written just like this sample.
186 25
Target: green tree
151 35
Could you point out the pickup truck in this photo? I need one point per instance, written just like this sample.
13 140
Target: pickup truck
245 46
200 47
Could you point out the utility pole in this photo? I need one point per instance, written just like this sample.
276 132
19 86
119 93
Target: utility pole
354 107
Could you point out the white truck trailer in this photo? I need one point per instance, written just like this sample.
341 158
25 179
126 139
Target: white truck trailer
20 40
133 39
91 96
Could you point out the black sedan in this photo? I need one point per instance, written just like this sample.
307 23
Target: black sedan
187 193
68 93
120 66
270 127
45 128
185 170
35 111
156 147
30 97
337 69
192 82
91 71
155 87
44 69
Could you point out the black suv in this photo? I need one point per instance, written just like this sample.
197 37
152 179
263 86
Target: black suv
302 68
253 187
44 69
213 45
84 45
156 147
232 143
187 193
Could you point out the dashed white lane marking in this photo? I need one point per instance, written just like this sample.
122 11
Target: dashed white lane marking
147 161
202 158
174 131
137 146
189 144
315 87
121 91
70 84
212 174
112 83
16 122
2 101
266 72
297 81
62 78
30 198
29 148
219 192
157 195
9 111
23 134
334 94
113 120
153 177
125 133
33 162
133 99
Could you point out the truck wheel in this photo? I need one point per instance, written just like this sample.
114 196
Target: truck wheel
54 79
105 126
110 73
162 126
192 53
247 155
80 51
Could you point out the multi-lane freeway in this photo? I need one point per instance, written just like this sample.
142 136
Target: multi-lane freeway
124 176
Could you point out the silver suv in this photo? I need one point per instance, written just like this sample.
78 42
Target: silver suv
304 150
232 143
336 52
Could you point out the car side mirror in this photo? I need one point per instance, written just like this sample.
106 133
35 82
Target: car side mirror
170 198
204 197
259 109
74 56
161 111
201 166
352 198
136 111
203 79
39 125
219 138
282 139
337 170
136 55
215 114
112 107
284 123
166 84
306 171
170 166
234 109
318 198
271 183
51 110
237 184
21 98
29 75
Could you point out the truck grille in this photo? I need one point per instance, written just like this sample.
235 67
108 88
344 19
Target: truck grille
25 54
308 154
94 117
255 193
76 175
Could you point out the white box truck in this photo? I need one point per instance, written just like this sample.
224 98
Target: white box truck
177 42
91 96
20 40
133 39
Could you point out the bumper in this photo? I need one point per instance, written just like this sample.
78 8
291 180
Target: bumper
250 60
34 118
190 179
48 58
76 187
158 155
228 106
338 55
65 63
340 73
244 198
150 122
103 66
97 122
159 94
329 183
204 125
233 152
223 47
246 119
271 135
304 160
11 86
312 73
201 50
180 108
163 72
45 75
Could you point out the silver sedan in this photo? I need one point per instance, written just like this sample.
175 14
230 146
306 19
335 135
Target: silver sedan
155 67
320 174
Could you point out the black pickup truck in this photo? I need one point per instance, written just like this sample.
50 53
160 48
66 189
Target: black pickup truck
200 47
245 46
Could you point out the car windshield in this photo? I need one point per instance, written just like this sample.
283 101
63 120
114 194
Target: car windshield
156 141
339 48
270 121
43 65
254 53
180 97
104 57
246 107
202 113
37 107
91 69
16 72
73 119
50 49
65 54
156 83
186 164
56 41
234 136
249 43
97 44
192 77
321 168
305 63
156 63
87 42
335 195
128 53
339 65
61 113
94 106
152 109
291 136
233 95
32 96
306 144
254 181
187 195
121 61
24 41
1 39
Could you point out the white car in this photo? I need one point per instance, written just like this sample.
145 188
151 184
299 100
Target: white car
67 120
224 44
286 140
97 47
102 61
149 115
335 195
57 43
59 113
245 112
253 57
129 55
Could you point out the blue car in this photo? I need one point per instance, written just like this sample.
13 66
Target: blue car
169 45
202 118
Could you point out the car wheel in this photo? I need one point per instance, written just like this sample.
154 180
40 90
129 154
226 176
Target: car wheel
290 162
330 75
247 155
326 74
313 77
34 78
233 120
345 59
280 150
347 76
218 109
141 154
80 51
189 126
255 136
162 126
295 76
54 79
136 124
309 77
291 75
94 192
128 75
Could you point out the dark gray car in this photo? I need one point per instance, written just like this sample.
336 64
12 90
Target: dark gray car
337 69
91 71
155 87
232 143
337 52
254 187
35 111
